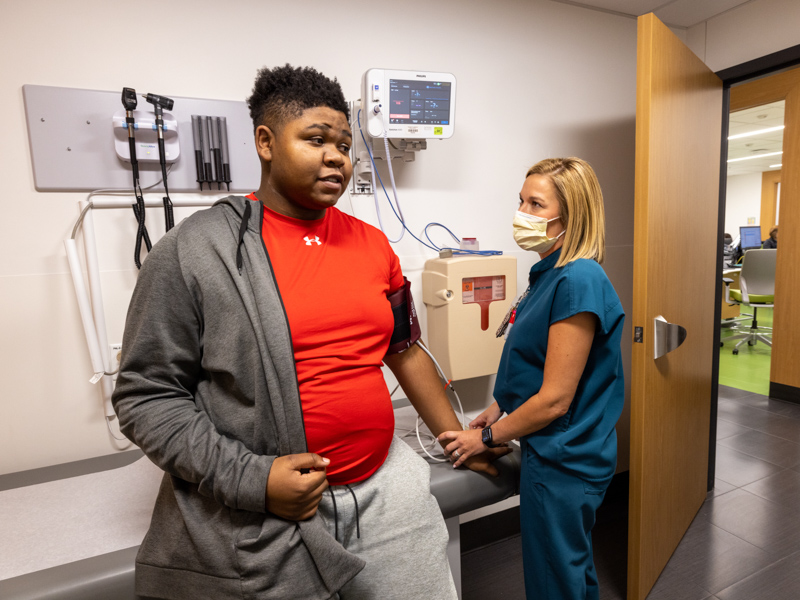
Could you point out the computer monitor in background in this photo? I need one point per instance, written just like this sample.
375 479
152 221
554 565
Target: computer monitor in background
750 237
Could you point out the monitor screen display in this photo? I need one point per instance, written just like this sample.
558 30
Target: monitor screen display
419 102
750 236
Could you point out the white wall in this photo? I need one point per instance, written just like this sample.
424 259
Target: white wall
536 79
747 32
742 201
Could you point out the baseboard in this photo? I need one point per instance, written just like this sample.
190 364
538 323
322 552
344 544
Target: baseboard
780 391
505 524
77 468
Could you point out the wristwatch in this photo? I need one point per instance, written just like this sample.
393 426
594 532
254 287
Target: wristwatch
486 437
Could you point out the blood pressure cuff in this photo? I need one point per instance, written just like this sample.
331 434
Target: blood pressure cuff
406 324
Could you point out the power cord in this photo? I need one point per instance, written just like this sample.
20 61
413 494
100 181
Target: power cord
433 442
398 212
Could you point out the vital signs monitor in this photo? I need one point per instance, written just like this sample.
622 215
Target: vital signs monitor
408 104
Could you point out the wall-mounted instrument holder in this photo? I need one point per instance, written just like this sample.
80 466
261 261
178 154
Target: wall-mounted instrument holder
73 142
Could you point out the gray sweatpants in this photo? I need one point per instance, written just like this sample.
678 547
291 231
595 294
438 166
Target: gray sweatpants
403 535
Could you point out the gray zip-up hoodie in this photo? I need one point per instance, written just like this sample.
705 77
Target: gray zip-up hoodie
207 388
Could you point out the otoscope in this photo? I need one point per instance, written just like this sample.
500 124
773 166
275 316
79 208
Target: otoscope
129 103
159 104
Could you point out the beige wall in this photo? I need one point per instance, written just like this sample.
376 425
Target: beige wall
742 201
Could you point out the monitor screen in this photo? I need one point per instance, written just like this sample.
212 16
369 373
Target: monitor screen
751 237
419 102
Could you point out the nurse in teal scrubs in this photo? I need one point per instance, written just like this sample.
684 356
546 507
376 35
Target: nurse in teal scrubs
560 380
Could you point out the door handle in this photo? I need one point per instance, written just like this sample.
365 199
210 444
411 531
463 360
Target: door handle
668 336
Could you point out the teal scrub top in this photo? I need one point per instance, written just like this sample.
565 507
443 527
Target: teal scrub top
583 441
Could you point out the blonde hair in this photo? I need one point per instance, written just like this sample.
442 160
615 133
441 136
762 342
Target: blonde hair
580 202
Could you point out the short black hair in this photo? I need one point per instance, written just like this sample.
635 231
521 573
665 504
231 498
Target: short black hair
282 93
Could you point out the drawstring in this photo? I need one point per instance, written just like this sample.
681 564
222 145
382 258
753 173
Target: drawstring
335 517
242 230
336 514
358 528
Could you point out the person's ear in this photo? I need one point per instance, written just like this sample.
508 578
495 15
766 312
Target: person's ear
265 142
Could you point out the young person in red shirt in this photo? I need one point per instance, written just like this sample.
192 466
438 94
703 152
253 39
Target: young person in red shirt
251 361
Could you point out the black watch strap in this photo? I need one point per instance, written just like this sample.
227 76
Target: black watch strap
486 437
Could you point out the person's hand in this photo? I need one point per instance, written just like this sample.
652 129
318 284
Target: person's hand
482 463
295 485
487 418
467 444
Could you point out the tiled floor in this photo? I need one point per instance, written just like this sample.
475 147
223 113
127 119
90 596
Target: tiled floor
744 543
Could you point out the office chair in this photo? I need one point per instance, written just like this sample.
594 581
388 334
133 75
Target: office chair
757 283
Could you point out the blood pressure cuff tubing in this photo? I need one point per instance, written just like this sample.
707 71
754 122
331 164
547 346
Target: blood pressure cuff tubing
406 324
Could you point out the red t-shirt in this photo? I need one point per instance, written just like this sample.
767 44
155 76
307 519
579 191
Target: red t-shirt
333 275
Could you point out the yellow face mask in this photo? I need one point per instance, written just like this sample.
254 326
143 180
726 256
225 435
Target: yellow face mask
530 232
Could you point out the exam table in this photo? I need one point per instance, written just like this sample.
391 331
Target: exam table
109 575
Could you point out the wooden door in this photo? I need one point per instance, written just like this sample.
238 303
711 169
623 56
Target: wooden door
678 131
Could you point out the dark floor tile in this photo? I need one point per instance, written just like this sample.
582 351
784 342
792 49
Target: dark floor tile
764 446
726 391
741 414
778 407
780 426
779 581
712 559
782 487
673 584
503 561
720 487
726 429
738 468
613 592
750 398
760 522
783 427
716 559
767 421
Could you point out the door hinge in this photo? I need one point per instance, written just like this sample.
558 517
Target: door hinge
638 335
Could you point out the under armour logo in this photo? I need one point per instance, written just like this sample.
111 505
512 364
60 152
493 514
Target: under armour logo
315 240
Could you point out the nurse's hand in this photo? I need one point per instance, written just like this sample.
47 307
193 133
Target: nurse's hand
487 418
295 485
482 463
466 444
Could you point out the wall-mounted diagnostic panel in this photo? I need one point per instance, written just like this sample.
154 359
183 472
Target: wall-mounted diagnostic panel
79 142
408 104
466 298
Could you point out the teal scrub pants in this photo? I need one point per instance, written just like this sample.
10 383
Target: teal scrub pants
557 513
